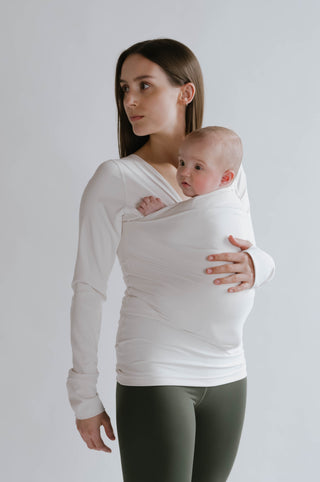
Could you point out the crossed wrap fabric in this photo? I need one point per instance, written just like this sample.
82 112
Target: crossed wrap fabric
165 267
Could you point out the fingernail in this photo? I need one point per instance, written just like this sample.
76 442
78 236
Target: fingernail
209 270
231 290
217 281
211 258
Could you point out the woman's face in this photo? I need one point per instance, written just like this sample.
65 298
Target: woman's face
151 103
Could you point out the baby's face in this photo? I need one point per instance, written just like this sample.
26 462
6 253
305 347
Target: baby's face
199 169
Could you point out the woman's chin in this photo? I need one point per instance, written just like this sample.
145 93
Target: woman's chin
140 132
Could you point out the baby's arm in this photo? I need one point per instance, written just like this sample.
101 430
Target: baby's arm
150 204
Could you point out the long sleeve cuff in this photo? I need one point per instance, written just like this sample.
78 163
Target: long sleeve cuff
264 265
82 395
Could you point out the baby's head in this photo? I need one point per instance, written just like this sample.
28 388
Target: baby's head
209 159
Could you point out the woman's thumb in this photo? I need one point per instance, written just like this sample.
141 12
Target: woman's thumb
240 243
108 428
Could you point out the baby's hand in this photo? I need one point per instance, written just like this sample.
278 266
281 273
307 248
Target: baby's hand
150 204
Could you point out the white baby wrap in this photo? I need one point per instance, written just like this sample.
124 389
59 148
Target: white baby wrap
167 284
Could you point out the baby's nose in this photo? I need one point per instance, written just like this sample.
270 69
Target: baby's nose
184 169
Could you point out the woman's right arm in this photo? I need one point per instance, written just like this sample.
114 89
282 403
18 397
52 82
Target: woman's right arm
100 225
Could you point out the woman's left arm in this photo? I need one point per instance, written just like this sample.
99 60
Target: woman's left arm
251 267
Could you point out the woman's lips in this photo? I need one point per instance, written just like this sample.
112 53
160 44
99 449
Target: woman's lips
136 117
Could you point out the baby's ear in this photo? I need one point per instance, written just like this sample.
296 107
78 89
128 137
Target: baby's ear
227 177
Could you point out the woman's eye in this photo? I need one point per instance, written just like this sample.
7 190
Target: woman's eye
125 88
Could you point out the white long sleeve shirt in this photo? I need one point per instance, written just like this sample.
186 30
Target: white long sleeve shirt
151 348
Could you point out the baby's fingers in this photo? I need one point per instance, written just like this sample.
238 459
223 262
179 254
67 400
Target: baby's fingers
149 198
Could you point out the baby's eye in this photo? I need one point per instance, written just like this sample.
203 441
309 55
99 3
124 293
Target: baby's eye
181 163
198 167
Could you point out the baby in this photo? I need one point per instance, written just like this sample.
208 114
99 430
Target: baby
209 159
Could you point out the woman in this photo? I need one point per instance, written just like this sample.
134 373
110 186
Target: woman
175 423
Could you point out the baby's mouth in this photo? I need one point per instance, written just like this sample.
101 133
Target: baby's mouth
185 183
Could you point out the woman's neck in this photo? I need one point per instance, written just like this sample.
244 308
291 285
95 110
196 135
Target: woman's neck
161 149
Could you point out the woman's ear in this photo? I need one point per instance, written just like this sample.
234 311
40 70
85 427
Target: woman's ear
227 177
187 93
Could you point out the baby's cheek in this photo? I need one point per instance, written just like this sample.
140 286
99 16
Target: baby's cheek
202 184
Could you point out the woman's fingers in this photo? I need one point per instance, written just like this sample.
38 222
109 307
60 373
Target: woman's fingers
94 440
242 286
240 243
244 281
89 430
232 257
240 264
89 437
99 444
108 428
233 278
226 268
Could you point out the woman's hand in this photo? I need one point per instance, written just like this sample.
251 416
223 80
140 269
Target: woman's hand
240 264
89 429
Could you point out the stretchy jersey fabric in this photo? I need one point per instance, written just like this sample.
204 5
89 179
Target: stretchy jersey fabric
175 327
170 329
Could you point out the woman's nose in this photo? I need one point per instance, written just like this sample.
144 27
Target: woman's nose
130 99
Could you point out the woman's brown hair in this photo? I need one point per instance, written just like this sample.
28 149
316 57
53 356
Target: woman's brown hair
181 66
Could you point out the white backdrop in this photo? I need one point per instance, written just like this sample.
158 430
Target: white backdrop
260 62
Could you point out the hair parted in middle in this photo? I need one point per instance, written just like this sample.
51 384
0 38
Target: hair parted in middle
181 66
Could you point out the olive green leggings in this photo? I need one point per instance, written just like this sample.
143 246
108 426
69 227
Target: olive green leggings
170 433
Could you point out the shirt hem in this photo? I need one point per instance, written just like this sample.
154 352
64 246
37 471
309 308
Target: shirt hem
195 382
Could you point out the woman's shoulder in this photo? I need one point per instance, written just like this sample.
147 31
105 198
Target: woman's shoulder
110 178
115 165
107 171
106 182
108 166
